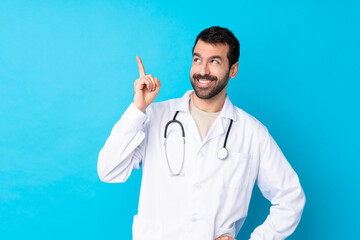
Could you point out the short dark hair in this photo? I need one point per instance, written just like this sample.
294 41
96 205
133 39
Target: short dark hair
219 35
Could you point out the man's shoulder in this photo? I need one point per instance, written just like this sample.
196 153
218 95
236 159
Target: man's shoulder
249 120
242 114
162 107
166 103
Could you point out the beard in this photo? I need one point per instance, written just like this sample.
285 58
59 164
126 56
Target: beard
212 91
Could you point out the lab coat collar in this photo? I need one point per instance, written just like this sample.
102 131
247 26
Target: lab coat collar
228 110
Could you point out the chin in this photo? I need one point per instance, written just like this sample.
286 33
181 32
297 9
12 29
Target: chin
203 94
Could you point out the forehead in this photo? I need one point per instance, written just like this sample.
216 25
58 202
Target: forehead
205 49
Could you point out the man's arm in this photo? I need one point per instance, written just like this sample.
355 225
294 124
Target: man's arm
124 149
278 183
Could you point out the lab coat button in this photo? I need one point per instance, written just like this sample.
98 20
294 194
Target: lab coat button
198 186
193 219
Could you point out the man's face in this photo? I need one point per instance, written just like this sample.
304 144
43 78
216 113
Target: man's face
209 73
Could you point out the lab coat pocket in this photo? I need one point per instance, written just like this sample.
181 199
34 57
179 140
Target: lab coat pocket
237 170
146 229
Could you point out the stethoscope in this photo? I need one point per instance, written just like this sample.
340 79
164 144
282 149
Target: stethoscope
222 153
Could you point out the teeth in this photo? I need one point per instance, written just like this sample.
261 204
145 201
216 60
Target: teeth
204 81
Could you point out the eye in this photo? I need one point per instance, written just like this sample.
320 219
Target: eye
196 60
214 61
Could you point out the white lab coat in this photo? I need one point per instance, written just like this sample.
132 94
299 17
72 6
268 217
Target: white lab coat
211 197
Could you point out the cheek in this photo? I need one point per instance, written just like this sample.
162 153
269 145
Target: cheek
193 71
223 73
217 73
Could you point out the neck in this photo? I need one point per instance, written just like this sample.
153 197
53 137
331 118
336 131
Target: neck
214 104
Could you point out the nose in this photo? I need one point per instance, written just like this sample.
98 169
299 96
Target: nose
204 69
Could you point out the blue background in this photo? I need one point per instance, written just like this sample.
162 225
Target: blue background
66 75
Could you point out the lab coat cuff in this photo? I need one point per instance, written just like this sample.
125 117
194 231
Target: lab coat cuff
134 117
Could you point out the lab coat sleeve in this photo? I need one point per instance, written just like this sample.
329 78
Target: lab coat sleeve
124 149
278 183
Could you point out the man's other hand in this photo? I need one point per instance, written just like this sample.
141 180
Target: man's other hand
225 238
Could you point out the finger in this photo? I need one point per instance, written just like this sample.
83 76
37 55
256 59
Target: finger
152 81
139 84
142 83
158 84
149 83
141 66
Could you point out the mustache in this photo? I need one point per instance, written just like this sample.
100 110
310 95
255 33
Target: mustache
206 76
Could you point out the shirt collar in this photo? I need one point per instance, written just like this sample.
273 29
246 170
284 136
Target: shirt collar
228 110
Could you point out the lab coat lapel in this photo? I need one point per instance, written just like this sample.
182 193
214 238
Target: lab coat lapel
216 130
223 120
192 128
186 118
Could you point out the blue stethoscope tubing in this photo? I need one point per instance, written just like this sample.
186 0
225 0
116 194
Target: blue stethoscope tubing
222 153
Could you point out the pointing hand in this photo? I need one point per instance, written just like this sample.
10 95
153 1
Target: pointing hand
146 88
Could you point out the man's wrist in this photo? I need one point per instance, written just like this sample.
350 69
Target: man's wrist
140 107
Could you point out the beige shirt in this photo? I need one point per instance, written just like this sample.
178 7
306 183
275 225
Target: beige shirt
203 120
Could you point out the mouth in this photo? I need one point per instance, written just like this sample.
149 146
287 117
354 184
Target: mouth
203 83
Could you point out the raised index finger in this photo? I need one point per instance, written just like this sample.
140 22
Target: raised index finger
141 67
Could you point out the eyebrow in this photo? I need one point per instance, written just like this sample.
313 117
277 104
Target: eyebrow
212 57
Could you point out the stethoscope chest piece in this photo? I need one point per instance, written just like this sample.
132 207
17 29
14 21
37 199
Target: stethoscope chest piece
222 153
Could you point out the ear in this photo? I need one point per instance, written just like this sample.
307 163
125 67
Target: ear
234 69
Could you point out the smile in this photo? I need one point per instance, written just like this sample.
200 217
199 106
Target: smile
203 83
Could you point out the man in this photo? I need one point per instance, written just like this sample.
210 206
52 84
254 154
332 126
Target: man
200 188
